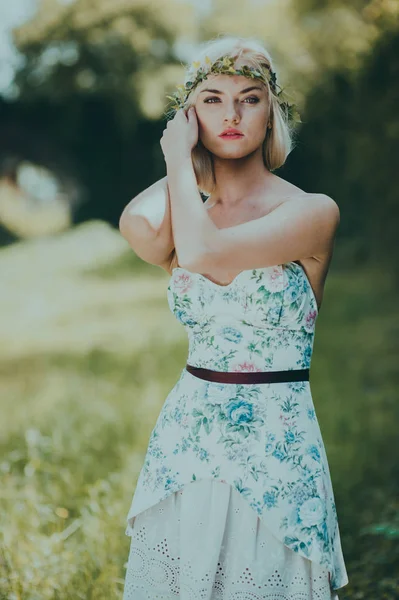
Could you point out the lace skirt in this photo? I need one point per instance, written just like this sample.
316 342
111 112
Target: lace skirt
206 543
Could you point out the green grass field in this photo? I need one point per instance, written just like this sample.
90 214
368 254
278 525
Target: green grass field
89 352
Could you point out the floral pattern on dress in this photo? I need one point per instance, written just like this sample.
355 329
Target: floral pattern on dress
262 439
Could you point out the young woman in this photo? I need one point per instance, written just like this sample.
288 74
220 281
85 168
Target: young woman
234 499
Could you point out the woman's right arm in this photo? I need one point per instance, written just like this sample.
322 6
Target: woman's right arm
146 225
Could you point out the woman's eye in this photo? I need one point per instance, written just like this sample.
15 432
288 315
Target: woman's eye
255 98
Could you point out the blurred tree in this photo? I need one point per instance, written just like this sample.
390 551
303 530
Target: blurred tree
114 48
348 148
94 79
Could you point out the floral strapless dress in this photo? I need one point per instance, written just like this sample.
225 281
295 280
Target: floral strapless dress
234 500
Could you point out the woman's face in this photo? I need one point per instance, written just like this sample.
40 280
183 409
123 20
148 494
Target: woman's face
229 105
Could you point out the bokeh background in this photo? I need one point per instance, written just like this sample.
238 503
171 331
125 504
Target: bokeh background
89 348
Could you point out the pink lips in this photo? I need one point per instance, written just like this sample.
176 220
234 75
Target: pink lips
231 136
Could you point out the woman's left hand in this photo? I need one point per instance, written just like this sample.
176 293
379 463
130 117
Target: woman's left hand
180 135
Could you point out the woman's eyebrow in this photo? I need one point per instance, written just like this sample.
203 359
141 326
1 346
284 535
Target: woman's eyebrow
248 89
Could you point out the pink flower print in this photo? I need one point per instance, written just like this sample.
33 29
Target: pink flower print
310 318
287 421
246 367
275 279
182 283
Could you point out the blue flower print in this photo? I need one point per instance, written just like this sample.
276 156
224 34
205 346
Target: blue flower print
268 448
296 387
289 436
203 454
292 518
270 437
312 512
270 499
231 334
307 355
279 454
239 411
292 294
182 316
257 507
313 451
323 531
300 494
311 414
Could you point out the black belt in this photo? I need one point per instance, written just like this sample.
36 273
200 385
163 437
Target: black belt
252 377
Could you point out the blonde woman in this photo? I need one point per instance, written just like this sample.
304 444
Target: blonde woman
234 499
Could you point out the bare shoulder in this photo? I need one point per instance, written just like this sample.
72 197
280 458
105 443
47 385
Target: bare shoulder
329 206
321 206
326 203
330 218
317 267
322 203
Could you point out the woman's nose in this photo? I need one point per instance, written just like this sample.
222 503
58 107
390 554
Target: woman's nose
231 113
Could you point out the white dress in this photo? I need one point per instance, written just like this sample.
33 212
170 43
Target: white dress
234 500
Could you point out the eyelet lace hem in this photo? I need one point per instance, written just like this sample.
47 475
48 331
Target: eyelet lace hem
205 543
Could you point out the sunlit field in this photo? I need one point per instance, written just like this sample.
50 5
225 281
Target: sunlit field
89 352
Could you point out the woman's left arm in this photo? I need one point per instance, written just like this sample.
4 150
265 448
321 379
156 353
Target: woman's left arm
297 229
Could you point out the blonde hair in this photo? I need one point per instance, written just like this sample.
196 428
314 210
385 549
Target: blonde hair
279 140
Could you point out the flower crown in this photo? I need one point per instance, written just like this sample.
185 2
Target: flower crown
225 66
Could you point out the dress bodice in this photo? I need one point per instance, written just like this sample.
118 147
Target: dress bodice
263 320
